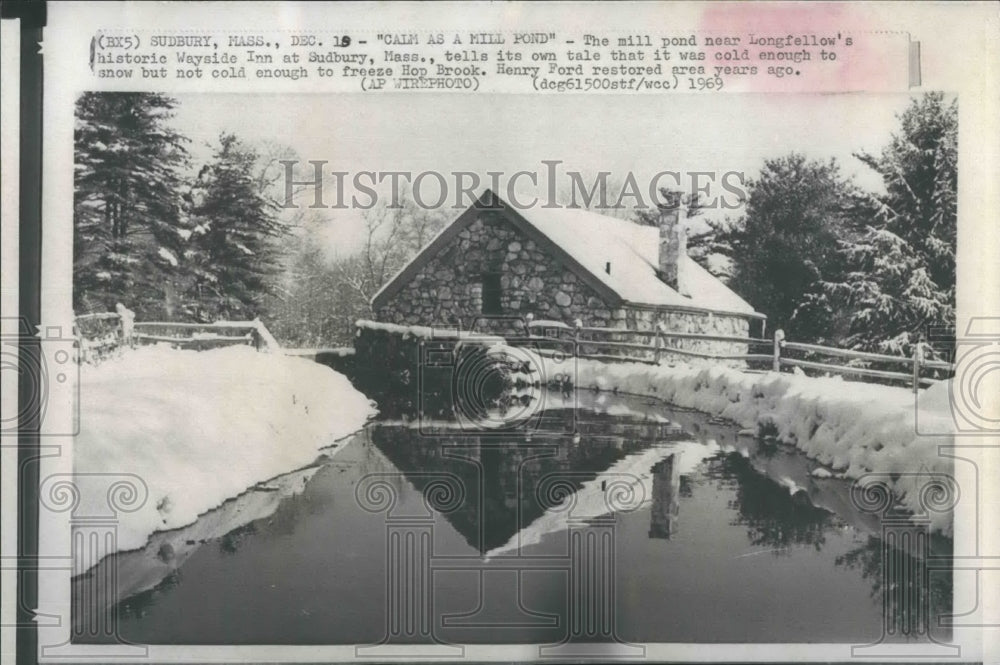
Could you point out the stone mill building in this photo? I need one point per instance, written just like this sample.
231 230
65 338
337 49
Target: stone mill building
561 264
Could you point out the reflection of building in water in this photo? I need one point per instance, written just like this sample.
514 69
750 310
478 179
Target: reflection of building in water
501 474
666 485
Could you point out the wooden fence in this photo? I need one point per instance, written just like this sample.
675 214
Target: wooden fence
749 353
203 336
917 371
98 335
101 334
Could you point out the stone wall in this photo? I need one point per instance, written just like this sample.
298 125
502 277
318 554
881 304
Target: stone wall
640 324
648 318
447 291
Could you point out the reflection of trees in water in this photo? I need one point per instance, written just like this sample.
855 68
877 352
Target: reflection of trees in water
137 605
919 584
282 522
774 518
295 508
777 520
230 543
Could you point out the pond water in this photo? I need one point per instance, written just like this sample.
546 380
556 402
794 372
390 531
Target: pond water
611 518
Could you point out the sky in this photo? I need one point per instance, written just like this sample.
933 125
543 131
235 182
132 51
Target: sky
643 134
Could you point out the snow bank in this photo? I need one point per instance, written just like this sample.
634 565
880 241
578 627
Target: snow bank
202 427
852 427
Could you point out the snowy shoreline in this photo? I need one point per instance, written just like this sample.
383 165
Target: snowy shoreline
853 428
199 429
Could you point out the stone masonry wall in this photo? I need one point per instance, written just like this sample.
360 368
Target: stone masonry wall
447 291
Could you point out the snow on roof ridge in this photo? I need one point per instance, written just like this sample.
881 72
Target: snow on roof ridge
634 281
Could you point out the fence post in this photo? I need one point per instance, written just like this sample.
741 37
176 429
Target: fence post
81 346
779 337
918 356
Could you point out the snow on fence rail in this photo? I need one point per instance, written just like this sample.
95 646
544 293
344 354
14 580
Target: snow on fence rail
208 335
605 344
608 343
100 334
859 363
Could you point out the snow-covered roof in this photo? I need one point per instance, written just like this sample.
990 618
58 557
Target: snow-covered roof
594 241
632 251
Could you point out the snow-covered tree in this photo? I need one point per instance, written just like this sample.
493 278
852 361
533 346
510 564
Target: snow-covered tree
393 235
786 240
899 274
324 290
232 255
312 305
128 217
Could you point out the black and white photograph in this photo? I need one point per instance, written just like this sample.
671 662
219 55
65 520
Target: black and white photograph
423 371
612 410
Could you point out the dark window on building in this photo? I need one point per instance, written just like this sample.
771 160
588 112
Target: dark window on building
491 293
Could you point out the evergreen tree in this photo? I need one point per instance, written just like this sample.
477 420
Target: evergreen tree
128 221
233 254
899 275
785 243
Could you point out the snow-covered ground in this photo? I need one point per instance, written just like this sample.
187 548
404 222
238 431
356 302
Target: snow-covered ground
201 427
854 428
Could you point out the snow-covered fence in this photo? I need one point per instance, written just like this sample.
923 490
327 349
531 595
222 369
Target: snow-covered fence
101 333
202 336
862 364
663 346
647 346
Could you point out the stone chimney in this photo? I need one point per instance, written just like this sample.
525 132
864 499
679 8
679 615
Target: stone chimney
673 246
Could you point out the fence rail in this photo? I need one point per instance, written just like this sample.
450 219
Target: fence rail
596 343
847 353
207 335
605 344
673 335
102 333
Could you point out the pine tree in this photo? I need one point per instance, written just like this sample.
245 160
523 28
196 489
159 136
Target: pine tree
899 275
232 257
785 243
128 223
